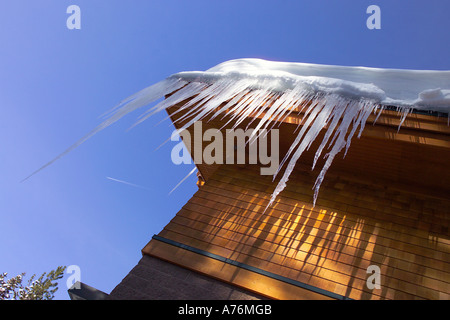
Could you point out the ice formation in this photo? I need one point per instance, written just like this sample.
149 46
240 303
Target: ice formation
337 97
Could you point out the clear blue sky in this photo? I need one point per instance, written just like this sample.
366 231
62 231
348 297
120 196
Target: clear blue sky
55 83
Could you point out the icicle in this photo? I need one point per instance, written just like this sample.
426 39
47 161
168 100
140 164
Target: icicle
143 97
380 111
405 112
182 180
339 107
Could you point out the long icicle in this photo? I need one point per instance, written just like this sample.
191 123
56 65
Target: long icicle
242 98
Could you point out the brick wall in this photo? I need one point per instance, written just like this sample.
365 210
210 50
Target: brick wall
154 279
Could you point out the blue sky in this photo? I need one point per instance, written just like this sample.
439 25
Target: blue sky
56 82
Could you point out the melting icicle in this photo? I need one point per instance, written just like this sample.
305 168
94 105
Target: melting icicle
326 110
182 180
256 89
136 101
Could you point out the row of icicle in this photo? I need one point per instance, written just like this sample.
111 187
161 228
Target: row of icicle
240 99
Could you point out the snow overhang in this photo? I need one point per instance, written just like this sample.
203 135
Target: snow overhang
421 89
330 104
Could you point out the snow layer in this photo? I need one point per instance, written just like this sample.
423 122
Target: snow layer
421 89
333 98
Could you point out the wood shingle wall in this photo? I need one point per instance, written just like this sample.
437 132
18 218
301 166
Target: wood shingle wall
387 204
329 246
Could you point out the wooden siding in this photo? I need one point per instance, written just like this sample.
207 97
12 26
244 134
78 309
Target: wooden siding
354 225
386 204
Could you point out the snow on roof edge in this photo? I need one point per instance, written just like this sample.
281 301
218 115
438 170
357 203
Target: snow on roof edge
420 89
